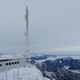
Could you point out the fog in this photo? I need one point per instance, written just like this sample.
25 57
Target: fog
54 25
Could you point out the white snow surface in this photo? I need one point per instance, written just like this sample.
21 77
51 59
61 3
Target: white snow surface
75 71
27 73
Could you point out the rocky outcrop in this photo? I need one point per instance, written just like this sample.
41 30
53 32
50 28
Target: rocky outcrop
56 70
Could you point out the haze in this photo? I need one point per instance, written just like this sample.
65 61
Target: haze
54 25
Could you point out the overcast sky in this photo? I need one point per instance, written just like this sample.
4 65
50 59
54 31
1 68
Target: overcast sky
53 25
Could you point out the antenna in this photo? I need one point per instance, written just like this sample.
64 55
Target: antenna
27 34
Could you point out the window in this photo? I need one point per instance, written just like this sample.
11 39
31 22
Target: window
9 63
15 62
6 63
12 62
0 64
18 62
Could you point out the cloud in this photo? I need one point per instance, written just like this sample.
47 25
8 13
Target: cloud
66 49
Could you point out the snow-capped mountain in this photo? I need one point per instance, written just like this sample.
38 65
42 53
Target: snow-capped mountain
61 68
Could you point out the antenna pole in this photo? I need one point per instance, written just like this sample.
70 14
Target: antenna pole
27 34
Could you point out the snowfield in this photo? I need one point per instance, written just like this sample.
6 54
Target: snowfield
27 73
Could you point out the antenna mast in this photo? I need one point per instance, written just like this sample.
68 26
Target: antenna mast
27 33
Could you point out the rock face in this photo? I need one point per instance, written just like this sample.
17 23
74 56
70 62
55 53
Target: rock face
58 70
61 74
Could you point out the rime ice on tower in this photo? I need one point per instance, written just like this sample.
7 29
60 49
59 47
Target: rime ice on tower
27 33
13 62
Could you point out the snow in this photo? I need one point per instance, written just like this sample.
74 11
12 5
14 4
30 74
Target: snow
10 56
67 67
27 73
75 71
50 74
49 58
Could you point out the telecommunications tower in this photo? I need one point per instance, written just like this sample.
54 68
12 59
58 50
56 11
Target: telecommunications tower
27 54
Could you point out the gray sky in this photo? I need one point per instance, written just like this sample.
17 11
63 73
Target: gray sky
54 25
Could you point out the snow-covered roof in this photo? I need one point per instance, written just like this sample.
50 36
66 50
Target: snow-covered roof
28 73
10 56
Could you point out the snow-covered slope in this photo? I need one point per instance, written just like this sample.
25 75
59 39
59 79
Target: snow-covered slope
28 73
